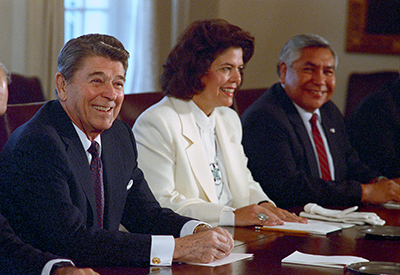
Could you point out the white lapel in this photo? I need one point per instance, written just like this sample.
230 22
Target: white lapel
195 151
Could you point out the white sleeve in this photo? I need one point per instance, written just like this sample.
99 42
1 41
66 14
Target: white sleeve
49 265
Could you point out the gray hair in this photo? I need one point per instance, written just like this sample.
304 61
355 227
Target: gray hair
6 72
291 52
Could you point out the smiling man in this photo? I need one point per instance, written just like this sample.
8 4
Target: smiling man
295 138
70 175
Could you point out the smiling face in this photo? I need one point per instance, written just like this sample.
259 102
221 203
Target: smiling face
221 81
310 81
92 98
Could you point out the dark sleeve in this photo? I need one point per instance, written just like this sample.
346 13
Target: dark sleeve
278 161
17 257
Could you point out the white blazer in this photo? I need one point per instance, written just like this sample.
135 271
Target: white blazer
174 162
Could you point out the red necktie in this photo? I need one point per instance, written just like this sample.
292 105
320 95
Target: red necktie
96 169
319 145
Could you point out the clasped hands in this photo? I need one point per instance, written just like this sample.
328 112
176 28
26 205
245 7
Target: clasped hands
247 216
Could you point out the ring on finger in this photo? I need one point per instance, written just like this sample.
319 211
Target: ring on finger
262 217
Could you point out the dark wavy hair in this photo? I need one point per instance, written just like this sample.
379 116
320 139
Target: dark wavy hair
199 45
74 52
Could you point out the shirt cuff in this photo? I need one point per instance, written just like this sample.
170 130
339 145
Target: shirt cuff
162 250
227 217
49 265
188 227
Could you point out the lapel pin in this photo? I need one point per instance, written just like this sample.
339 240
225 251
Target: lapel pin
332 130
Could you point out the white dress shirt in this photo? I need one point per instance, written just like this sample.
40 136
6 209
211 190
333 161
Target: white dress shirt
206 126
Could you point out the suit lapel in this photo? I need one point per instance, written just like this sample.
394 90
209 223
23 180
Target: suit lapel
77 158
300 130
195 151
329 123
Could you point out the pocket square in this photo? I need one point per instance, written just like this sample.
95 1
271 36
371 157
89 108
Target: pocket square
129 186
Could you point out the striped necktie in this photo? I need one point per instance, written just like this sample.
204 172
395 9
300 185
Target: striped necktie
319 145
96 169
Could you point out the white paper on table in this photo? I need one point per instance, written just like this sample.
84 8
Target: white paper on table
233 257
312 227
318 260
392 205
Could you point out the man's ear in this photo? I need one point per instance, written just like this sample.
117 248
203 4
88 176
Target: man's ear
282 72
60 86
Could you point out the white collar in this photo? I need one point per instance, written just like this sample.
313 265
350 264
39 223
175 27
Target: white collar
203 121
306 116
85 141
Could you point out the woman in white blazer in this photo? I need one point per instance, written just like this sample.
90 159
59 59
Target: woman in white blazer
189 144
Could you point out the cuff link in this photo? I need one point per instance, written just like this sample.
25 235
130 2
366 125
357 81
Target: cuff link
156 260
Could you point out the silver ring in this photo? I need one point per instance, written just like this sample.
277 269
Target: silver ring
262 217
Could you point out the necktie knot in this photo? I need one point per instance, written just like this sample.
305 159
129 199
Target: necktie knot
94 149
313 119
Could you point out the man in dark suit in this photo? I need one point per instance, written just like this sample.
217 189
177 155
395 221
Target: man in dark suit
63 199
374 130
17 257
292 165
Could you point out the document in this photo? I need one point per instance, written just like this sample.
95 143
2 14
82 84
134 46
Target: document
233 257
392 205
318 260
312 227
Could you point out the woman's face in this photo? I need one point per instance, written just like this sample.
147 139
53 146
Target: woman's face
221 81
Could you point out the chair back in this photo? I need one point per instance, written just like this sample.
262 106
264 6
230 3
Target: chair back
362 84
24 89
15 116
135 104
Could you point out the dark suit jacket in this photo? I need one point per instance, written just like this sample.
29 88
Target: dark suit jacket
48 196
282 160
374 130
17 257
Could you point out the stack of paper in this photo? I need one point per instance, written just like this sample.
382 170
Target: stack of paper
325 261
312 227
314 211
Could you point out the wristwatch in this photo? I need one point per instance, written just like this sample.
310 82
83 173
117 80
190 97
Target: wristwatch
202 225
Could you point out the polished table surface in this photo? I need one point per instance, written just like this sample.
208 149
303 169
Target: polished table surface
269 248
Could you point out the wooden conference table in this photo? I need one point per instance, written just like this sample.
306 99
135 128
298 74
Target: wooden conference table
269 248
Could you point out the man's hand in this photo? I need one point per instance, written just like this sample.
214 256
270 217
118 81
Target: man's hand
203 247
72 270
381 192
